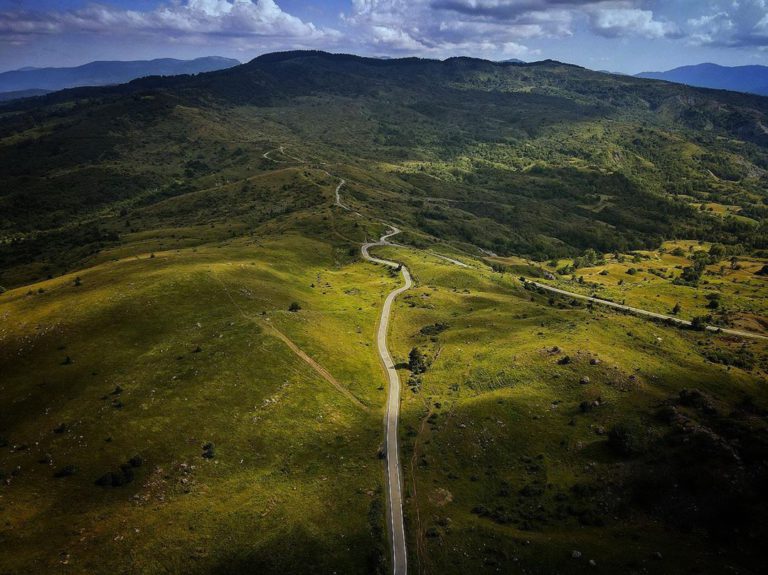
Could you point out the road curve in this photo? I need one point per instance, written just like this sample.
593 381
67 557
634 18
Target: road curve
394 483
645 313
338 195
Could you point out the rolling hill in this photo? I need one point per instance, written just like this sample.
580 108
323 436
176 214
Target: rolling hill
189 372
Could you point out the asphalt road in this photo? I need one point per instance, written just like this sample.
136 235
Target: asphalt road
394 483
646 313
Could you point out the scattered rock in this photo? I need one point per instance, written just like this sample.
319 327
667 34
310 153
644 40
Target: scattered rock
565 360
209 451
576 554
594 361
584 380
61 428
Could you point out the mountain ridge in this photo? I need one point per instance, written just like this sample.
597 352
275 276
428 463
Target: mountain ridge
750 79
104 72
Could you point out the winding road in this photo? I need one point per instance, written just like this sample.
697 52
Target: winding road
645 313
394 479
394 473
394 482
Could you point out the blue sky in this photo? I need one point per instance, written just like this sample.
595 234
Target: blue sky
618 35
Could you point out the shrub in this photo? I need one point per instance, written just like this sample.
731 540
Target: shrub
294 307
627 439
123 476
433 329
417 363
699 323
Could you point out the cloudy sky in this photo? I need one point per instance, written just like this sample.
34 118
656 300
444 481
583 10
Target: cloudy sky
617 35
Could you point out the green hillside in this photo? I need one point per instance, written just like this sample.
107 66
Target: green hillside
189 380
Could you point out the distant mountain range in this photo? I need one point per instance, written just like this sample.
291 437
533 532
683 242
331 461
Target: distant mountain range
752 79
104 73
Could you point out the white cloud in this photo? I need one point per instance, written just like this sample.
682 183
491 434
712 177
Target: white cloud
734 23
191 19
621 22
439 29
480 27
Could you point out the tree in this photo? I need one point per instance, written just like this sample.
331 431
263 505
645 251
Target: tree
676 309
716 253
294 307
417 363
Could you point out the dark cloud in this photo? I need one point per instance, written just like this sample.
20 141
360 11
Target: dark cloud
510 9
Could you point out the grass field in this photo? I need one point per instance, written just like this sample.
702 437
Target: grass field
505 470
167 354
645 279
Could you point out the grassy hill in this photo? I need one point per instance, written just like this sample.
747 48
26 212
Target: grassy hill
162 410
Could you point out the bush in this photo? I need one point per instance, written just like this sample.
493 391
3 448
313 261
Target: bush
123 476
433 329
294 307
699 323
417 363
627 439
